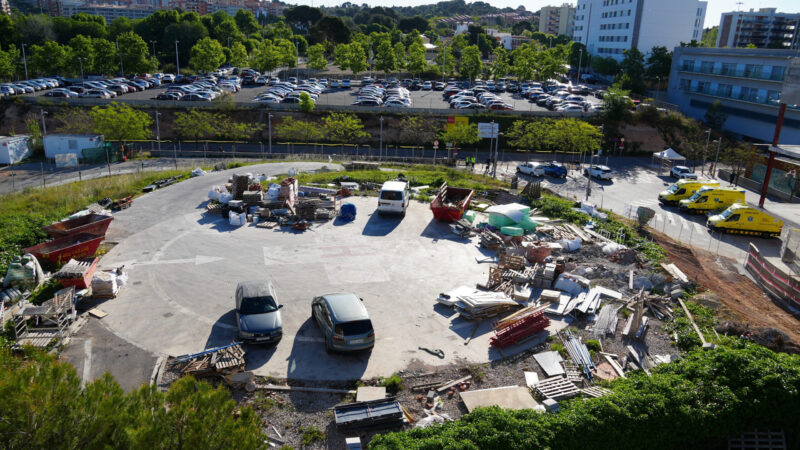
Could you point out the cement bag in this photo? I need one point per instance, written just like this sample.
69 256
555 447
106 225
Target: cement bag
104 285
570 245
213 194
612 247
225 197
273 191
512 231
527 223
197 172
236 220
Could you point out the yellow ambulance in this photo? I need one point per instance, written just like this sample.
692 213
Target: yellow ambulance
683 189
712 198
742 219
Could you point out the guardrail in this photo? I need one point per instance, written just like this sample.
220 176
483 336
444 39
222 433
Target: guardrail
773 279
172 104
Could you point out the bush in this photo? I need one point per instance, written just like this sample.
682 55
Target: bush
393 384
311 435
593 344
693 403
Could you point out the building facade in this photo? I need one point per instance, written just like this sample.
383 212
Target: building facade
609 27
765 28
5 7
558 20
139 9
748 83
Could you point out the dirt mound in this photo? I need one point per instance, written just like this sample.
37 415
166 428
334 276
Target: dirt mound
741 299
648 136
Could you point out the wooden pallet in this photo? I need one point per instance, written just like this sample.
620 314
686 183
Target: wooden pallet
572 371
227 358
38 338
557 388
595 391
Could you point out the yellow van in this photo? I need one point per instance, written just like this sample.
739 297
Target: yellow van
712 198
683 189
742 219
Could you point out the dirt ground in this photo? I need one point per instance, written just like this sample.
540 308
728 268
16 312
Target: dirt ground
741 300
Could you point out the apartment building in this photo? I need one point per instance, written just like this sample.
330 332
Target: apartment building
609 27
558 20
748 83
5 7
139 9
765 28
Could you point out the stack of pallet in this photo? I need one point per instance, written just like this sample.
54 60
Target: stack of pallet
491 240
481 305
239 186
220 360
252 197
544 275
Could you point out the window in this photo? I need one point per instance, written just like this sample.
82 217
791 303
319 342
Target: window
688 65
728 69
748 94
725 90
685 84
753 70
777 73
703 87
773 96
707 66
699 12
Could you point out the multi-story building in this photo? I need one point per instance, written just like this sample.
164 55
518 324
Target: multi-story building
609 27
107 10
138 9
764 28
748 83
5 7
558 20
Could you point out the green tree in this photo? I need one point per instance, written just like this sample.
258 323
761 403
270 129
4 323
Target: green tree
316 57
135 53
500 66
417 130
385 58
207 55
446 60
524 61
105 56
48 58
659 63
287 52
246 21
470 62
74 121
306 103
120 122
530 135
8 62
266 57
331 29
710 36
238 55
416 62
118 26
195 124
715 115
605 66
573 135
461 134
399 55
81 47
299 130
343 128
739 156
633 71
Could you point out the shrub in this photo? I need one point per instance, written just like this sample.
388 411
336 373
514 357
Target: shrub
312 434
393 384
593 344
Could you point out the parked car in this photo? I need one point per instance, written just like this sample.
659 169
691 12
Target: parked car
531 168
599 172
258 315
555 169
427 86
682 173
345 83
344 322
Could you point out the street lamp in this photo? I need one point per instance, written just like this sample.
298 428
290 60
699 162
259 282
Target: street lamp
24 61
121 67
380 148
154 47
716 158
44 126
705 152
269 128
580 60
658 85
177 61
80 61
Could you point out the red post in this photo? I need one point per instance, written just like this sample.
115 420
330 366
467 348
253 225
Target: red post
771 162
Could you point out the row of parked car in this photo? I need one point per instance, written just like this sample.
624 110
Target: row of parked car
477 97
109 88
376 94
558 170
290 91
202 89
29 86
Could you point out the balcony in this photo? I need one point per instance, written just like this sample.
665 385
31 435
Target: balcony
728 94
733 73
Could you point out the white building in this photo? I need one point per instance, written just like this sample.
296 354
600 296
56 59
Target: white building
64 144
609 27
14 149
558 20
765 28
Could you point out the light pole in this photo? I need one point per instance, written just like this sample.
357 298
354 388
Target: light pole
269 129
24 61
80 61
705 152
121 67
444 64
297 61
177 61
580 60
658 85
154 47
716 158
229 42
380 149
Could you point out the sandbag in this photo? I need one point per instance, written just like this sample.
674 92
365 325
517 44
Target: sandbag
512 231
570 245
236 220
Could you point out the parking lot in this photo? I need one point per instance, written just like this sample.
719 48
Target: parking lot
342 97
184 264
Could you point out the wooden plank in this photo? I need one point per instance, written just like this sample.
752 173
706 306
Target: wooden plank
453 383
272 387
616 366
691 319
99 313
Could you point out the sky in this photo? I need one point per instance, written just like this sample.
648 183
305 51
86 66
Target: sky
715 7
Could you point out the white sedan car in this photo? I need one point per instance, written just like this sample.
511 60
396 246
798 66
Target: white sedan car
599 172
683 173
531 168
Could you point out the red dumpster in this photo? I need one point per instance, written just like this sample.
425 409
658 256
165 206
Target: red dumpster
451 203
96 224
60 250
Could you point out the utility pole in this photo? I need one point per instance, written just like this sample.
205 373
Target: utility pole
716 158
24 61
80 60
705 152
296 61
269 128
380 149
444 64
177 61
44 126
580 60
154 47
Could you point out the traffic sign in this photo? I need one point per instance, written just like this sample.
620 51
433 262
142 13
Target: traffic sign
488 130
436 143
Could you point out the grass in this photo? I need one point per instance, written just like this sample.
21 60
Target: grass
23 213
393 384
476 371
680 324
417 176
312 434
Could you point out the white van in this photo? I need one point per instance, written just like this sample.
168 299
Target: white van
394 198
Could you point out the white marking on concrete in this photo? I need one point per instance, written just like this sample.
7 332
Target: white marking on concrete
698 228
184 310
197 260
308 339
160 251
87 362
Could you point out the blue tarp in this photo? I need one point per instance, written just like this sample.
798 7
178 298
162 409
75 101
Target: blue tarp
347 212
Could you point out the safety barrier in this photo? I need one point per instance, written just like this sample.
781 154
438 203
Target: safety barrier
773 279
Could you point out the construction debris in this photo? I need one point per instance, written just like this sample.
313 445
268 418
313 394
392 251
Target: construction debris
518 328
219 360
556 388
39 326
550 362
